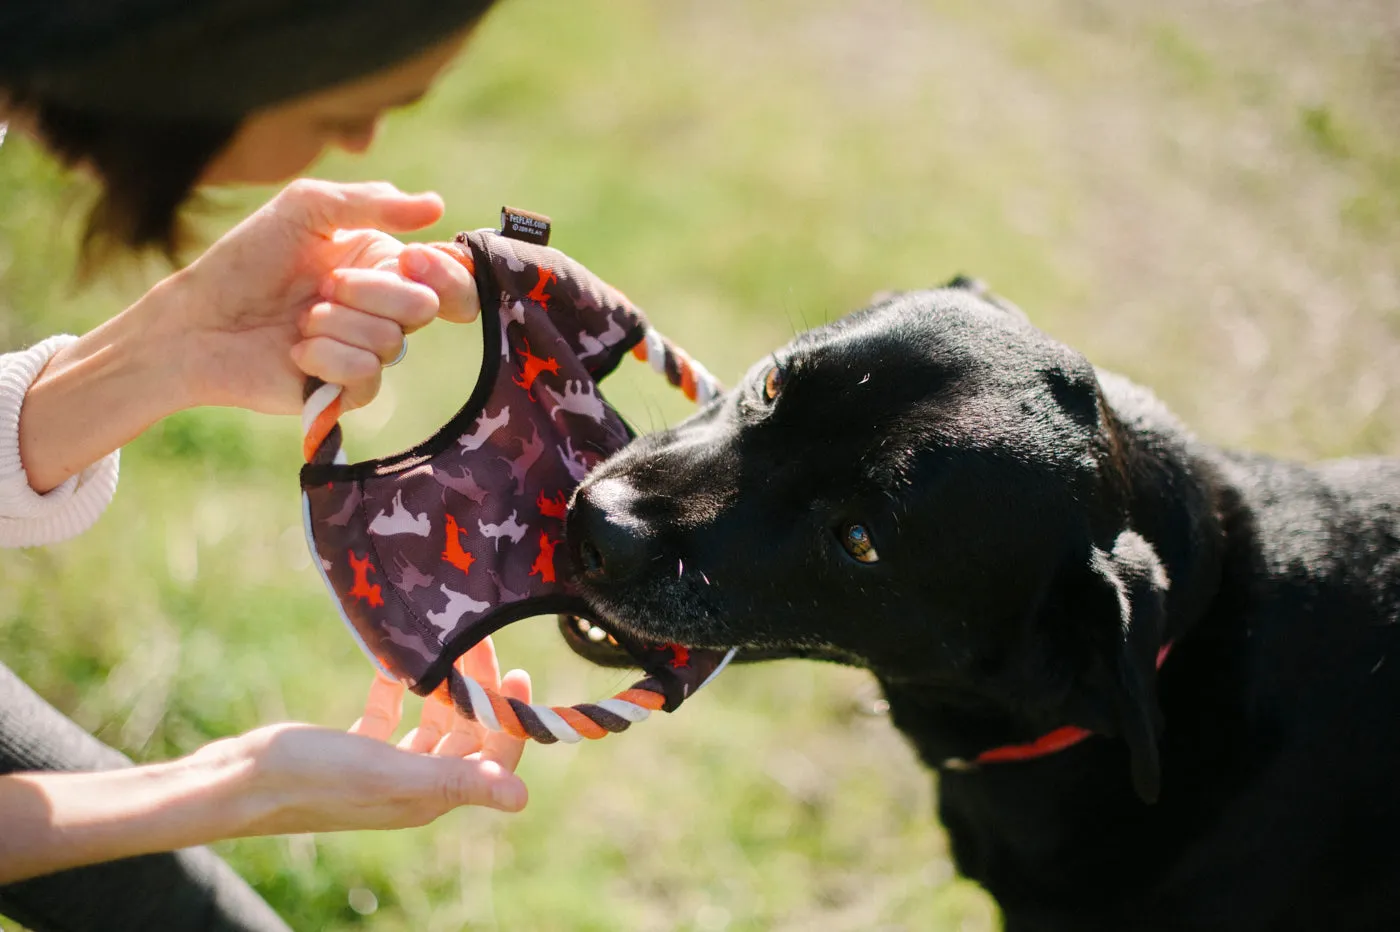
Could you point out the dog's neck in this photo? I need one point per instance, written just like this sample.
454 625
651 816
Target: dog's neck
1176 501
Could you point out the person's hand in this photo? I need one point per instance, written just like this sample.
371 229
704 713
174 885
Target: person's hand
306 779
310 284
273 780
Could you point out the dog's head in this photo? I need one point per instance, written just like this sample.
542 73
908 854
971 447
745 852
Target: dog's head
930 488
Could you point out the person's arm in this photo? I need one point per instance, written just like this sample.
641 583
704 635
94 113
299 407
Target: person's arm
55 821
279 779
99 392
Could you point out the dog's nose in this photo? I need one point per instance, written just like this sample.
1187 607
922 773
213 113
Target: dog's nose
610 542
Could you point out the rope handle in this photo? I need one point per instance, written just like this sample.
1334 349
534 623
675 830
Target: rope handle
324 403
548 724
668 359
322 407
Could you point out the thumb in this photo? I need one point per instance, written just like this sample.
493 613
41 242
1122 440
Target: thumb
476 782
325 206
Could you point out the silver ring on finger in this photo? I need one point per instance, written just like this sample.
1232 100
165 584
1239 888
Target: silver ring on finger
403 351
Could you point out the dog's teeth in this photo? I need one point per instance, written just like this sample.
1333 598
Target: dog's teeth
613 641
596 634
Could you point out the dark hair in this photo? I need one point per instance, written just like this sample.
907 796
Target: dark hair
146 168
146 93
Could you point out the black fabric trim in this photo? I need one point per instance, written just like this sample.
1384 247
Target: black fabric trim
313 475
478 632
659 679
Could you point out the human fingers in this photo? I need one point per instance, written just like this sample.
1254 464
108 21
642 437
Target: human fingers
464 736
356 328
324 206
499 746
454 285
466 782
358 370
308 779
380 292
480 664
434 721
383 709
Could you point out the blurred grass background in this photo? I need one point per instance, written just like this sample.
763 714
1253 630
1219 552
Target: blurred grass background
1203 194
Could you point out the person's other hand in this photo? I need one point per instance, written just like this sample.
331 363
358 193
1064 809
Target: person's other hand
311 284
306 779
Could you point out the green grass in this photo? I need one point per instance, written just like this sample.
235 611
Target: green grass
1204 199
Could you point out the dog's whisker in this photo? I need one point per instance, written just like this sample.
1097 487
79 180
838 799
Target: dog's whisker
627 422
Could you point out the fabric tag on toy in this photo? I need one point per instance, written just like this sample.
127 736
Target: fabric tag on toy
524 225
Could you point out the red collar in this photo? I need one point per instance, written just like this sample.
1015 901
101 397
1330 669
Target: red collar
1046 744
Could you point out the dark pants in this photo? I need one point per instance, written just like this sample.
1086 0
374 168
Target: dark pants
182 891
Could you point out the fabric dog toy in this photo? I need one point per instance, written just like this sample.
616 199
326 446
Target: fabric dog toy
429 551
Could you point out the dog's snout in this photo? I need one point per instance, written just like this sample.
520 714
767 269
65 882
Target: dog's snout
610 542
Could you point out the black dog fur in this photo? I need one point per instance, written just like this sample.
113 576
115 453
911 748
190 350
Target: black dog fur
1042 530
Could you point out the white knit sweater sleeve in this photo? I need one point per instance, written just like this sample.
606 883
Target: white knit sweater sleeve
28 519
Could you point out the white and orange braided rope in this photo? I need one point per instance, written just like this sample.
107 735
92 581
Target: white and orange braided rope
548 724
321 436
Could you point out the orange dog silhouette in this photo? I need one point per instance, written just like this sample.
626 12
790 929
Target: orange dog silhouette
543 566
454 553
538 294
362 588
532 368
556 507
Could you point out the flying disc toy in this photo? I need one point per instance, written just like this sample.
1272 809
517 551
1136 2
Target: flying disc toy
429 551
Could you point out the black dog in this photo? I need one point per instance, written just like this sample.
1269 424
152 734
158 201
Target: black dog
1012 543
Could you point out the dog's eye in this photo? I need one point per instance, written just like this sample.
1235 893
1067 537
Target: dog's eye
858 543
773 383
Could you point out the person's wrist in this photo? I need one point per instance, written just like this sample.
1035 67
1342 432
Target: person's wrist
98 392
153 336
236 786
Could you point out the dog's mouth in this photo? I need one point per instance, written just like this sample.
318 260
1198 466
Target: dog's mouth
676 669
595 643
608 645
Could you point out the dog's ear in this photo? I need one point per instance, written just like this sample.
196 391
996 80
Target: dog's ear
979 288
1116 608
969 283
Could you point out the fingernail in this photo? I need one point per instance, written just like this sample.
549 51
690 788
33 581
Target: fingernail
413 262
328 287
